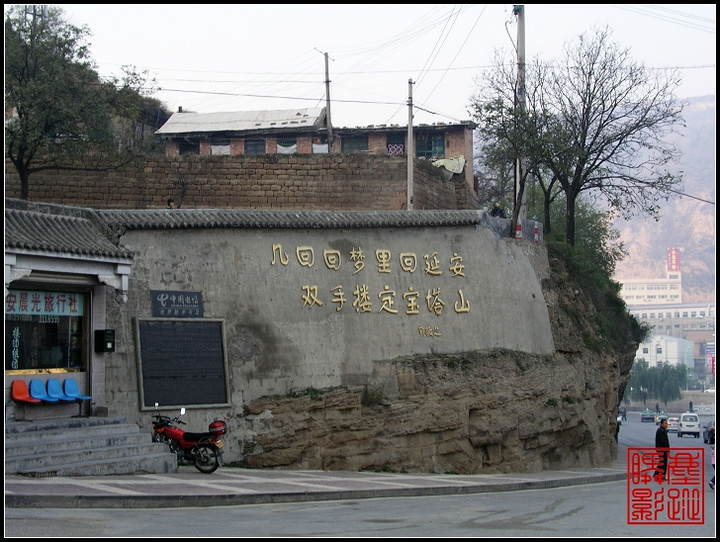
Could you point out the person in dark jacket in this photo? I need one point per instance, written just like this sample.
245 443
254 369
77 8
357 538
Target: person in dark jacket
497 211
662 443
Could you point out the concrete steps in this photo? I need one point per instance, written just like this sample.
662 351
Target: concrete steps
83 447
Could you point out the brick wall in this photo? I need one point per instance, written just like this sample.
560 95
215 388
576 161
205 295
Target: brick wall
360 181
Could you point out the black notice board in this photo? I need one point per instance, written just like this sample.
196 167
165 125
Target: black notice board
181 362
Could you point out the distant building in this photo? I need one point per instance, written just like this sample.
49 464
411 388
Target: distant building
661 291
305 131
658 303
659 350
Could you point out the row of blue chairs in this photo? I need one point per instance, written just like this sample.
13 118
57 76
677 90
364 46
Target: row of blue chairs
36 392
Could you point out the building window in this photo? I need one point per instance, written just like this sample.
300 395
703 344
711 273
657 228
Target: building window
220 146
320 145
646 350
254 145
396 143
430 146
658 349
287 145
44 330
354 143
188 147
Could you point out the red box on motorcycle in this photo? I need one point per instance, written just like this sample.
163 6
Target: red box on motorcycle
218 428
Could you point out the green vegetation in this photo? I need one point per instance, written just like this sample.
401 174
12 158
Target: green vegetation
312 393
64 116
663 383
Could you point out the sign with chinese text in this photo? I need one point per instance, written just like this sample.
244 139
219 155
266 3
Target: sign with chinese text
171 304
673 259
29 303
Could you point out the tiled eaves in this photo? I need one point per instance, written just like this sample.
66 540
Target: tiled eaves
123 220
38 227
61 229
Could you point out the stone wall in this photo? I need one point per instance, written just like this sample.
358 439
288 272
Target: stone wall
359 181
487 370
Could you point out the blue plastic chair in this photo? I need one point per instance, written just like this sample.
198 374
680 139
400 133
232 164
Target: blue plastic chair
37 390
54 389
72 390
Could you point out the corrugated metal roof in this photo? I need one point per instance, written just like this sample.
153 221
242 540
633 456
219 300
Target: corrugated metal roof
239 121
245 218
59 229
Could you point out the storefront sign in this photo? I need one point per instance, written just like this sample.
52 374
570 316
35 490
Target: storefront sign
28 302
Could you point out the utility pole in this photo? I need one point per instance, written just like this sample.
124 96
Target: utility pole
327 95
520 195
410 148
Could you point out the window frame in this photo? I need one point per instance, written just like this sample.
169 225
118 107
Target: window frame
252 145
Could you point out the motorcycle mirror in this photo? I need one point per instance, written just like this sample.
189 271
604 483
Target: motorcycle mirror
182 411
156 406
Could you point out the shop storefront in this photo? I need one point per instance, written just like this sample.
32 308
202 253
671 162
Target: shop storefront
45 330
61 264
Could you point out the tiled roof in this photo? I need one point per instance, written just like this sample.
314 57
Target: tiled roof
59 229
95 233
247 218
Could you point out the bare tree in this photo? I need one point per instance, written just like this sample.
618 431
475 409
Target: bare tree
184 172
599 122
511 130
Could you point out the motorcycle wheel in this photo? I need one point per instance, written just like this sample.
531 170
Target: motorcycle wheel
205 458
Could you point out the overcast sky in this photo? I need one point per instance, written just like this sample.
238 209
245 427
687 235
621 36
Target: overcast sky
238 57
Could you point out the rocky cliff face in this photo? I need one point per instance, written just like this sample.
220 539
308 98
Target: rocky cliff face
490 412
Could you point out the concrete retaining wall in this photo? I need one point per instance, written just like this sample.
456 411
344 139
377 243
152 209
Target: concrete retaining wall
314 306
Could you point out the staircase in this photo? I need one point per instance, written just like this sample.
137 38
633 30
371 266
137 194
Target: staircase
83 447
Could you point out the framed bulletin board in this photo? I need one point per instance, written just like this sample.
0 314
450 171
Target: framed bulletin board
181 362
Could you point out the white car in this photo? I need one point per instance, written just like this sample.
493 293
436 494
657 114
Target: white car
673 424
709 390
689 424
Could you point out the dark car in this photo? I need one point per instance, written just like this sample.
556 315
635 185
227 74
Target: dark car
647 415
709 432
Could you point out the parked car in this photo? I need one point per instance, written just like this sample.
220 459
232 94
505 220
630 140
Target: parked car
689 424
709 390
647 415
709 432
673 424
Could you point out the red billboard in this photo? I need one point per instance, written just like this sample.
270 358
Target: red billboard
673 259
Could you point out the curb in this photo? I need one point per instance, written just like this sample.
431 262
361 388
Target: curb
184 497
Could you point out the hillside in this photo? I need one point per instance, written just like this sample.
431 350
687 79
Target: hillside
687 222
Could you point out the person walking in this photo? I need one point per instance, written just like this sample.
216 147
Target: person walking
662 445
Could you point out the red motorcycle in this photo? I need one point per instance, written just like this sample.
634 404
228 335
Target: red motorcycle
204 450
